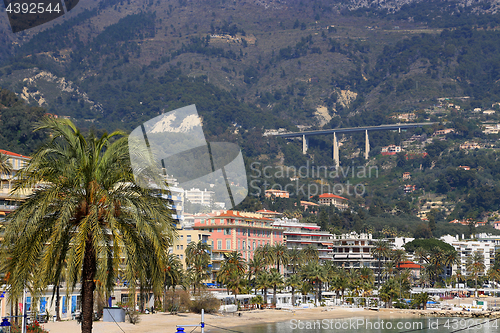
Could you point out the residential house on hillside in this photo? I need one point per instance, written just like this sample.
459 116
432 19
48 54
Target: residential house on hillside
335 200
391 150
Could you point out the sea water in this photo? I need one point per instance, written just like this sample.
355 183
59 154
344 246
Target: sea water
372 325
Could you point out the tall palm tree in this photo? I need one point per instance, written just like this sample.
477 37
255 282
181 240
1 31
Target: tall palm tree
276 280
295 258
294 281
311 252
315 274
255 265
232 273
281 255
198 261
475 266
267 254
5 166
173 277
421 255
263 281
89 213
380 251
451 257
437 263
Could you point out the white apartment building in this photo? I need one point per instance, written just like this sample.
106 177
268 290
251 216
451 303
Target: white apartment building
300 235
466 248
353 250
197 196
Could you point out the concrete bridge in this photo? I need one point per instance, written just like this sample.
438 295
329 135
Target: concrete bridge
335 131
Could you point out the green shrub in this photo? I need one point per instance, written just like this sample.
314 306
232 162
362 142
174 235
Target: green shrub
205 301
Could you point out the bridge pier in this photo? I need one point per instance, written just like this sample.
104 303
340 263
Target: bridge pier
305 144
335 151
367 145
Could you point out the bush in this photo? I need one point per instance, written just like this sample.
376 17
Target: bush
31 328
177 301
205 301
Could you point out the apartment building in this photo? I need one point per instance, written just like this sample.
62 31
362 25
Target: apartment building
465 249
186 236
236 231
353 250
330 199
300 235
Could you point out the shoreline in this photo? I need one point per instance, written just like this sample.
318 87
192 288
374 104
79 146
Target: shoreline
165 322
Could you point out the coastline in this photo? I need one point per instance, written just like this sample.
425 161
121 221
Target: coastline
165 322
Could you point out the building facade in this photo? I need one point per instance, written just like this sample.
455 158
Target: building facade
236 231
330 199
300 235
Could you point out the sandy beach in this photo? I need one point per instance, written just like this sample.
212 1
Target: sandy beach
164 322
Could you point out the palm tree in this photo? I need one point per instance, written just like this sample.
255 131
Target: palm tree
255 265
232 273
340 283
89 213
281 255
173 276
5 166
475 266
276 280
451 258
380 250
267 254
294 281
437 263
263 281
421 255
389 291
198 261
295 258
311 252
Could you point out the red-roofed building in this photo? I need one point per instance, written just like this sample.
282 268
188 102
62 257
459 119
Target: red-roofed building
8 202
415 268
496 225
237 231
335 200
307 204
277 194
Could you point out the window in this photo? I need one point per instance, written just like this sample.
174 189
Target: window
182 247
228 244
227 231
253 246
219 230
244 245
219 244
178 247
182 257
188 238
182 237
239 244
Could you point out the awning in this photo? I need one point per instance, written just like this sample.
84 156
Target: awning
354 255
340 256
2 213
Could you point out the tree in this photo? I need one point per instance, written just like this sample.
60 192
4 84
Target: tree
232 273
311 252
173 277
198 261
89 213
380 250
281 255
267 254
263 281
389 291
294 281
295 258
276 280
475 266
5 166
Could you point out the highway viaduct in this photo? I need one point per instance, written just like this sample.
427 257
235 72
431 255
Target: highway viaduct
335 131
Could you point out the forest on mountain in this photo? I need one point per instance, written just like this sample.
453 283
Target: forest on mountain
251 66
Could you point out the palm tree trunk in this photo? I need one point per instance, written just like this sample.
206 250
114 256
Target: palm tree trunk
58 301
274 294
265 296
293 296
88 285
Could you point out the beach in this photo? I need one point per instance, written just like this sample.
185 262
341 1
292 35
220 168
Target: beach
165 322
